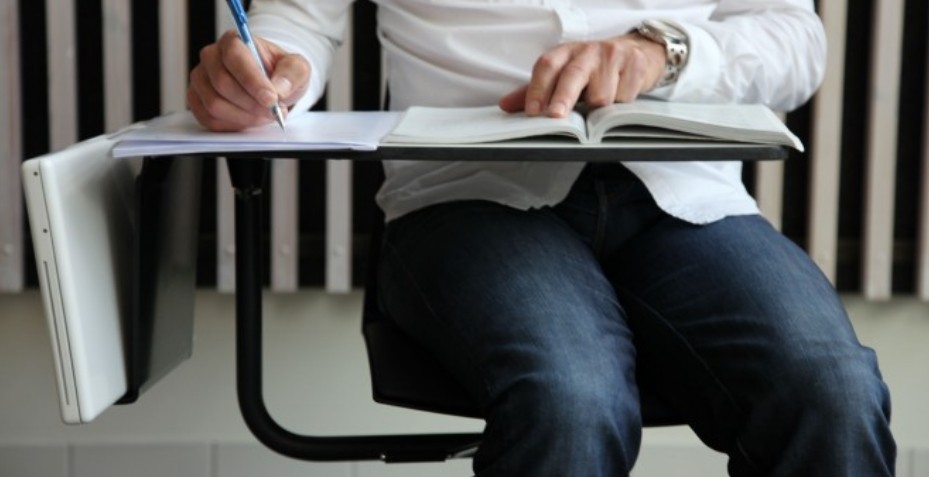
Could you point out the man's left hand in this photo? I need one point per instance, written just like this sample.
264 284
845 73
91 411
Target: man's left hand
598 72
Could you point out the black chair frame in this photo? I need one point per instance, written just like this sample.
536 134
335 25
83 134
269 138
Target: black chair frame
402 372
248 177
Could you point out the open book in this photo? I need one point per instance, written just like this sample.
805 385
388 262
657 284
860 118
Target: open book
640 120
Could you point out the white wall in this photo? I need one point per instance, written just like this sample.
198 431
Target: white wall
316 382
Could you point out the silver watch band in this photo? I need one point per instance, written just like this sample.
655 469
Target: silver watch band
676 43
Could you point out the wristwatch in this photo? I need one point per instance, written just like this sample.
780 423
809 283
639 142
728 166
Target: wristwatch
676 45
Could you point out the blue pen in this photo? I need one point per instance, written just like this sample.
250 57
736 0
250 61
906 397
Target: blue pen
241 24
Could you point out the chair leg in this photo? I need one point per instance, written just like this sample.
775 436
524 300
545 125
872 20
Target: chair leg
248 176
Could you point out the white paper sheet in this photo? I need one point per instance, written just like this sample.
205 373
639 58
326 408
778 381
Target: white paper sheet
179 133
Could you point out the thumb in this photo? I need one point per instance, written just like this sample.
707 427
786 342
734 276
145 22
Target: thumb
291 77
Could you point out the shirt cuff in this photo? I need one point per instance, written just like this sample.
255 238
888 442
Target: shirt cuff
702 73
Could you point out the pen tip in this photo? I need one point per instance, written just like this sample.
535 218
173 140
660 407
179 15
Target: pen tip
278 116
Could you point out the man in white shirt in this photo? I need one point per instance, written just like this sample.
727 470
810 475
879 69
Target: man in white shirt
545 286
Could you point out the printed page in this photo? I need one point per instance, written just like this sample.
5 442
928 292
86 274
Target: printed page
426 125
752 123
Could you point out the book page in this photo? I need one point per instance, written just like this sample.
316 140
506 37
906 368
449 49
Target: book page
754 123
426 125
179 133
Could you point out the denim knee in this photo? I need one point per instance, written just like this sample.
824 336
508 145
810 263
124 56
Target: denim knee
846 393
841 387
577 402
834 402
572 421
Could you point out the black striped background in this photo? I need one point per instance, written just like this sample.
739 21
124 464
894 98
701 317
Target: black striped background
200 29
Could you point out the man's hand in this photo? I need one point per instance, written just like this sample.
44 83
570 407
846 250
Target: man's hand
228 92
597 72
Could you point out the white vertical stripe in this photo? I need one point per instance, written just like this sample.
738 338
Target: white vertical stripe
284 225
338 226
825 155
769 190
339 183
881 156
173 42
62 74
223 18
339 88
117 63
922 247
225 229
11 233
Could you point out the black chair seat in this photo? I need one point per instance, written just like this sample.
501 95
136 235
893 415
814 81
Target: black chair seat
405 374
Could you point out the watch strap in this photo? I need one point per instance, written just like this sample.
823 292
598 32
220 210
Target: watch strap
676 44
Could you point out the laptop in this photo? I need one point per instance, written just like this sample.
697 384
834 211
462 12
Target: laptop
113 333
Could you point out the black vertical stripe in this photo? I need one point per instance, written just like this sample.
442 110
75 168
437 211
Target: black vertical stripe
854 134
201 31
366 95
33 48
201 28
146 66
90 102
910 143
795 212
366 64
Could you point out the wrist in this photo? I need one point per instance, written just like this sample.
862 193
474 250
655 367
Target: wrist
675 44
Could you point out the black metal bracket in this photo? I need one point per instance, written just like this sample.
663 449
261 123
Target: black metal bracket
248 177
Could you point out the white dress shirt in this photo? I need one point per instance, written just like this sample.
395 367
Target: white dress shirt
472 52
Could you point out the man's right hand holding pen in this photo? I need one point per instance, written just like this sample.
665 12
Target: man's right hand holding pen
228 92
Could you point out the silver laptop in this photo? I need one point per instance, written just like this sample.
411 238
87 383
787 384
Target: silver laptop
109 338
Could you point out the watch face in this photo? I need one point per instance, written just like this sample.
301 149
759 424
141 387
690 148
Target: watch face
664 29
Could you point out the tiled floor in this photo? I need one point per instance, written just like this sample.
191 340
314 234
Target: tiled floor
253 460
192 429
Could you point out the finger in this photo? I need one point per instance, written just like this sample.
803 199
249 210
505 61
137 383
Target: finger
204 117
209 122
241 66
515 101
633 76
574 77
605 78
545 75
214 111
290 78
221 80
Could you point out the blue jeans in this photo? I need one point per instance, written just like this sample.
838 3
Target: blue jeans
552 319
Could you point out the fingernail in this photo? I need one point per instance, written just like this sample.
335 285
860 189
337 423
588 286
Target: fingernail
282 85
557 109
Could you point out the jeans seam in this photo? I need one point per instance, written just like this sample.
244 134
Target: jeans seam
696 356
748 459
599 236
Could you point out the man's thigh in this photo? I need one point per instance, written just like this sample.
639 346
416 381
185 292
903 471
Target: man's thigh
499 293
725 315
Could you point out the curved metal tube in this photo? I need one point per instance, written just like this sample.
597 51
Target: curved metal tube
248 177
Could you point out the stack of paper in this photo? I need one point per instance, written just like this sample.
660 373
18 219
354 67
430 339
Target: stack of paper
179 133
